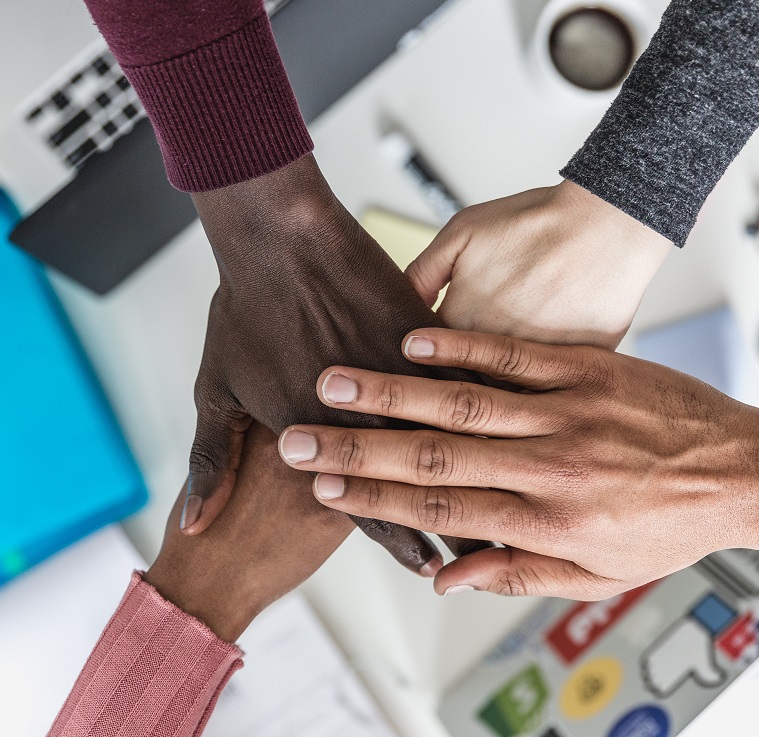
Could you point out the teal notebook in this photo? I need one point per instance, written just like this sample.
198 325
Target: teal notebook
67 468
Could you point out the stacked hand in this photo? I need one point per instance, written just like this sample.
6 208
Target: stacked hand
556 265
302 286
604 473
271 536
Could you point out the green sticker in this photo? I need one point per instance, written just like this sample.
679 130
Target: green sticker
518 706
12 563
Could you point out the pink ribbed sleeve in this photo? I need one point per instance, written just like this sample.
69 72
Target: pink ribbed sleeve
155 672
210 77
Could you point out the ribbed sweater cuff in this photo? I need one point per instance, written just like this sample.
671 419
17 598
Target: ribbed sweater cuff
687 109
155 671
223 113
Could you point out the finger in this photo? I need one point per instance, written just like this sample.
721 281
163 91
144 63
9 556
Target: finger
455 406
214 458
454 512
515 572
535 366
411 548
431 270
420 457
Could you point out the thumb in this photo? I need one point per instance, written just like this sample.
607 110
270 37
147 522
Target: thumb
432 269
214 458
515 572
704 666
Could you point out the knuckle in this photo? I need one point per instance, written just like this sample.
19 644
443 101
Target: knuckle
509 582
509 360
459 221
376 529
440 508
374 496
432 458
389 395
540 521
211 396
202 393
348 452
203 461
464 350
568 475
467 409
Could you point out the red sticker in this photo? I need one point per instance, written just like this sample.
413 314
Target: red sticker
584 623
735 640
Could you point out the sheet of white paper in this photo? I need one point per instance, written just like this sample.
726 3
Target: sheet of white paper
295 683
50 619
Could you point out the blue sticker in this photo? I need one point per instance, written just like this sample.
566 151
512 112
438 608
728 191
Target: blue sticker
713 613
645 721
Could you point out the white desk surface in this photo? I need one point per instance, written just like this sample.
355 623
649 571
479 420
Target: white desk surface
492 127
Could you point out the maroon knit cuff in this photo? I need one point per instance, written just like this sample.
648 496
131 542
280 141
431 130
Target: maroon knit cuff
223 113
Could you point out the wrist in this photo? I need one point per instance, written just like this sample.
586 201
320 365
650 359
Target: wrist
225 606
606 248
636 241
267 216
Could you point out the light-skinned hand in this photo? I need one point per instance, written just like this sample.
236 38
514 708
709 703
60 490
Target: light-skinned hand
604 473
555 265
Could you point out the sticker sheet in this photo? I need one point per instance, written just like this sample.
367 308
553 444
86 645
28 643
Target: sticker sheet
642 664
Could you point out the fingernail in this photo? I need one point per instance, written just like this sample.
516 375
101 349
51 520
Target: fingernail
418 347
191 512
329 486
460 589
430 569
297 446
339 389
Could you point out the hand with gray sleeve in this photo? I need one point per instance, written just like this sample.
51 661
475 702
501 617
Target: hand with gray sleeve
570 263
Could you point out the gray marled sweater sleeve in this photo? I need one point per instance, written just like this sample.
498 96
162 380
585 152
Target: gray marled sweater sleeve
687 109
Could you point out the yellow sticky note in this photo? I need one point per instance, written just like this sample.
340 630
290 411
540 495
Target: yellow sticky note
402 238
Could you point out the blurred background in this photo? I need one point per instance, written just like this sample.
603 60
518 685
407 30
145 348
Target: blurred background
417 108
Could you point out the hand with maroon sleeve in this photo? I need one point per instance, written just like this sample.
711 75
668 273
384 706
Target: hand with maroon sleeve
302 286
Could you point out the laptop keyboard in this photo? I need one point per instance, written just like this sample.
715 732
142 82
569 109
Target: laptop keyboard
84 108
88 104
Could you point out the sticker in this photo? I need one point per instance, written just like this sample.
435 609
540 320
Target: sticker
518 706
684 651
584 623
645 721
591 687
739 642
713 613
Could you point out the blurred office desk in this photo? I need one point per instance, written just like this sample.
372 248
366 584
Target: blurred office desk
491 126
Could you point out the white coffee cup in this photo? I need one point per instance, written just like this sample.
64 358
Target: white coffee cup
633 14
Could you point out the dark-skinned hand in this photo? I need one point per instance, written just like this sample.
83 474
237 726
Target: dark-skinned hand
302 286
271 536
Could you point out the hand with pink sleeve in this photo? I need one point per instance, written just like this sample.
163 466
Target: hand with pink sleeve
165 656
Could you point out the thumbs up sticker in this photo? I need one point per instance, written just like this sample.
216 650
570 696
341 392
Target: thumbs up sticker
684 651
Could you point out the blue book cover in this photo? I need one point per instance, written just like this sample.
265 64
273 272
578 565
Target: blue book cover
67 468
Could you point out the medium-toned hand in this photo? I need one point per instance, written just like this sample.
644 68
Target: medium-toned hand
271 536
605 473
556 265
